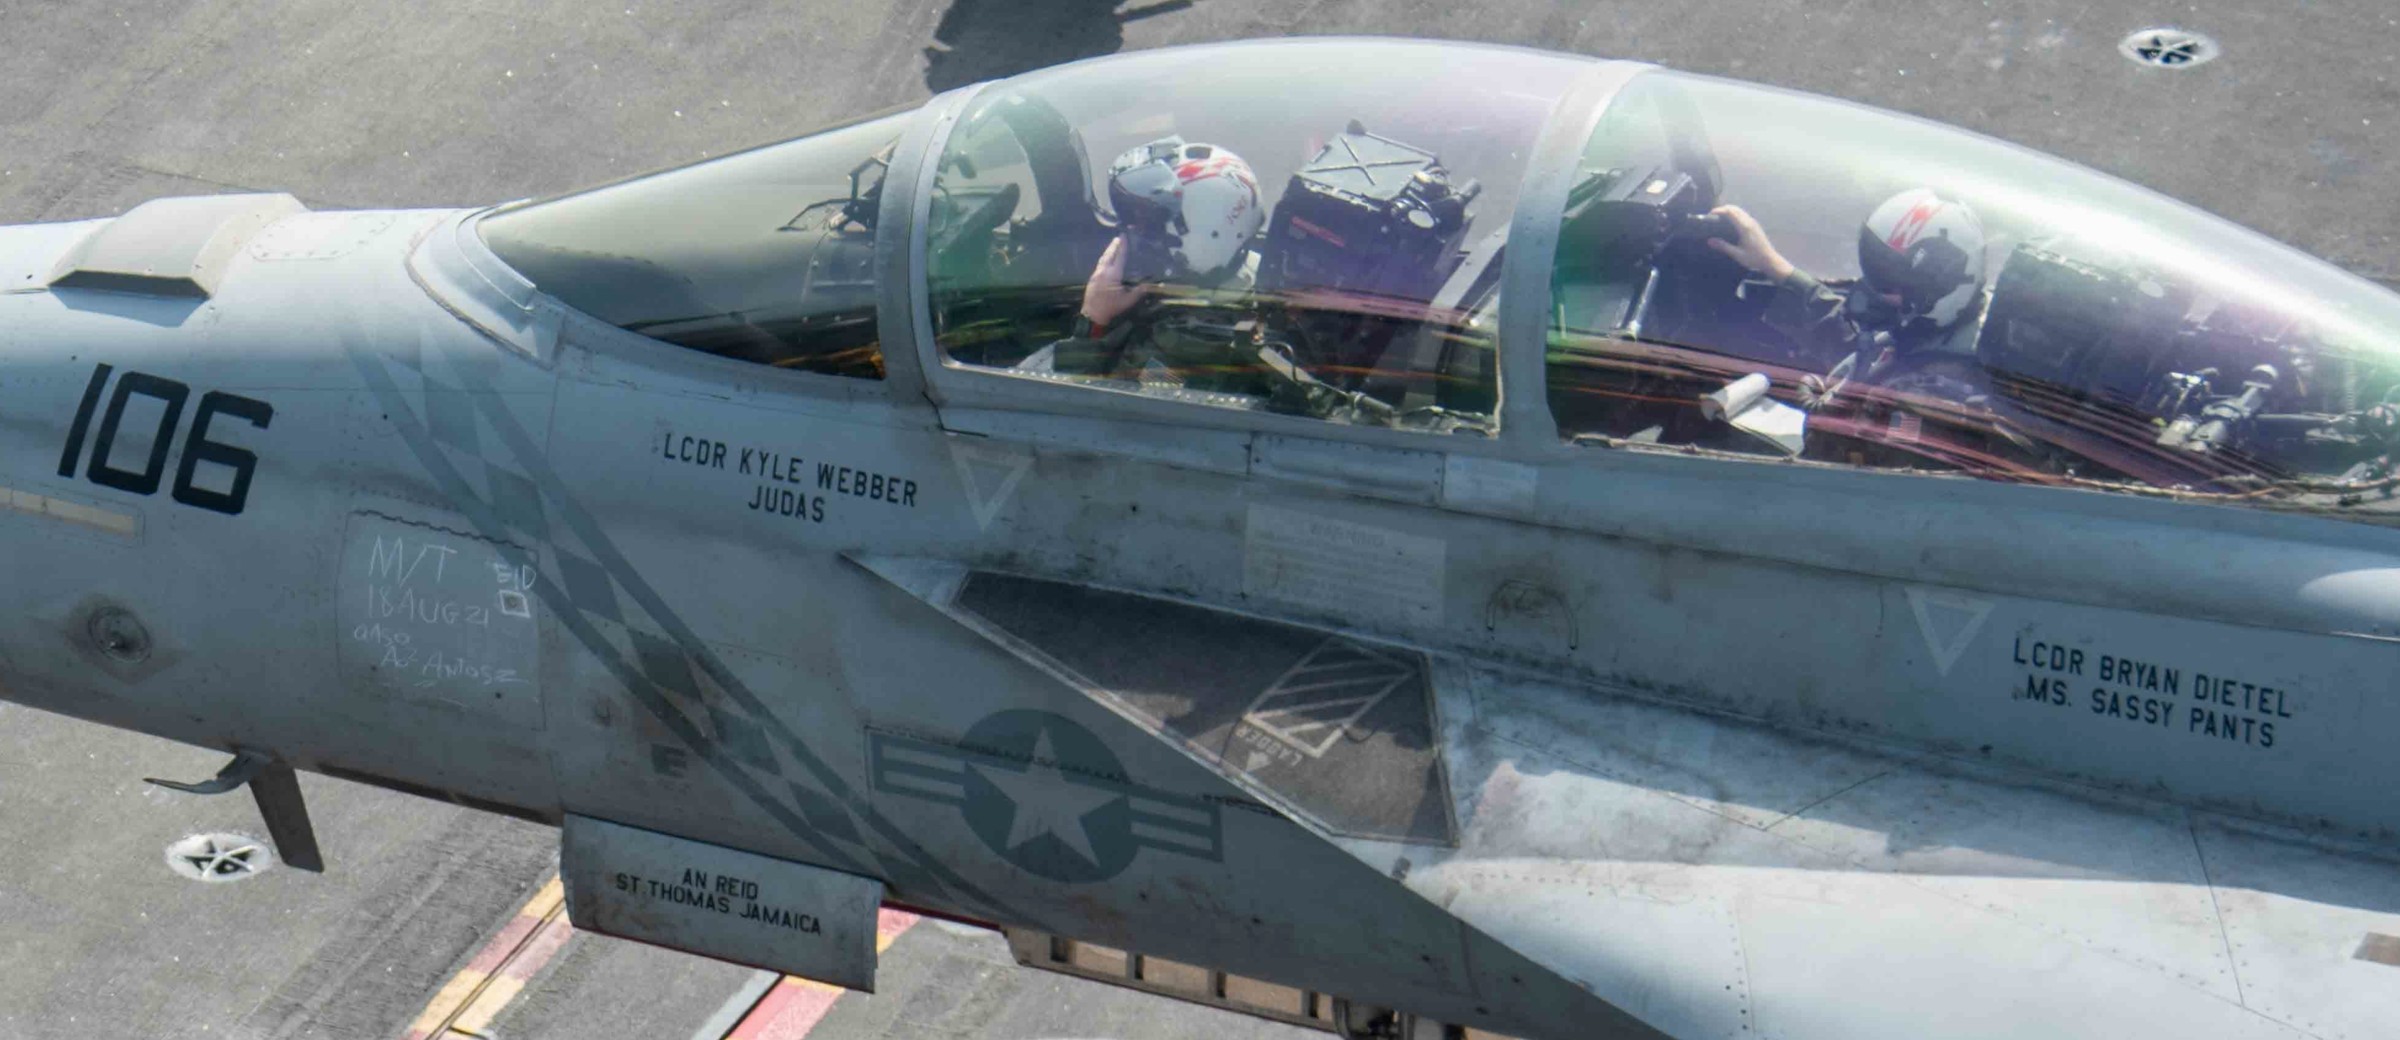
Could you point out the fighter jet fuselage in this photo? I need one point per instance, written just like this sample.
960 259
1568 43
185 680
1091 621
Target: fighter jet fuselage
1475 595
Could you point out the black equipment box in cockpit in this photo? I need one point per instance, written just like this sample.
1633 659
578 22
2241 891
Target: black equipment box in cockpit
2090 330
1612 207
1367 214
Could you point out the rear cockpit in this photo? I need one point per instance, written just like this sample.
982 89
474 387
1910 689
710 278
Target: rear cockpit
1963 306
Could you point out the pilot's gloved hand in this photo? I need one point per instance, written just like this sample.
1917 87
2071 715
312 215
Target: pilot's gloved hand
1106 297
1752 249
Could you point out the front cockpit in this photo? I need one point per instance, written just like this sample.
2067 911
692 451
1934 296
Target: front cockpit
1309 228
764 256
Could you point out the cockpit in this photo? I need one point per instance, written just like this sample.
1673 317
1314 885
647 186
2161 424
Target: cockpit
1308 229
2085 332
1336 232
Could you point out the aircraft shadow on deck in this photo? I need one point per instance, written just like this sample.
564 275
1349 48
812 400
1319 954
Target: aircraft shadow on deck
990 39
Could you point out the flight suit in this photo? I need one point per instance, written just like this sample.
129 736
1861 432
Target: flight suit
1203 347
1814 315
1208 340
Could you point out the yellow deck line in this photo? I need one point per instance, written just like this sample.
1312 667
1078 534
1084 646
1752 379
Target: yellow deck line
446 1015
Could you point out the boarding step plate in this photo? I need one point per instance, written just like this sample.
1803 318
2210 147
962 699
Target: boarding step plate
716 902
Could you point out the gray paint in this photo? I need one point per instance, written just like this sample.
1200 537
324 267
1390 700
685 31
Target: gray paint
170 247
719 902
724 676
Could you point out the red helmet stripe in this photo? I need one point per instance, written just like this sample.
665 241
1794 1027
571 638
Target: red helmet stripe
1913 223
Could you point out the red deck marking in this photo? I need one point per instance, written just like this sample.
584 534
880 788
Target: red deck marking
467 1003
504 942
795 1006
788 1011
889 924
544 945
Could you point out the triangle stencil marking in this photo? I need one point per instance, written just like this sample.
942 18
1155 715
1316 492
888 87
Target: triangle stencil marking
1948 621
989 474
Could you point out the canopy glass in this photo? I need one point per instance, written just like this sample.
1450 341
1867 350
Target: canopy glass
764 256
1961 306
1308 227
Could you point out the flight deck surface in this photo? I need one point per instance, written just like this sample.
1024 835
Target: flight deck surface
428 915
342 106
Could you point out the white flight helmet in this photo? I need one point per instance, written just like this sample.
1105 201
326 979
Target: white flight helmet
1926 249
1198 202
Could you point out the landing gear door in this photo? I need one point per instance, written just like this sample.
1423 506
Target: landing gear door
714 901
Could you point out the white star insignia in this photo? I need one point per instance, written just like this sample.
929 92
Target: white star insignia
1048 803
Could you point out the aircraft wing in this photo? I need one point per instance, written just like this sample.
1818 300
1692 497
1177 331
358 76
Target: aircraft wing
1724 877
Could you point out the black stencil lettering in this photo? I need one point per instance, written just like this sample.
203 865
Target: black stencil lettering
145 482
83 421
197 448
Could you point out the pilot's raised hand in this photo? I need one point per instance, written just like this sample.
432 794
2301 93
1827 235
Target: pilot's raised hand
1106 297
1750 248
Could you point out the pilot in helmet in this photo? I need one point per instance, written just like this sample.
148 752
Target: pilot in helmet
1187 215
1921 256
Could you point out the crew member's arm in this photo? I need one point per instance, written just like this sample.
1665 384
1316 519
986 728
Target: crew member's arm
1803 308
1098 342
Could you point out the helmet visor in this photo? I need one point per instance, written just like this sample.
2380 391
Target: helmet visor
1929 269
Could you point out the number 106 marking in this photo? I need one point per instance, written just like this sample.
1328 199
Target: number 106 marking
105 470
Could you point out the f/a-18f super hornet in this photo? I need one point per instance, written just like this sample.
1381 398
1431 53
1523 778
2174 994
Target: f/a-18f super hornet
1443 536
